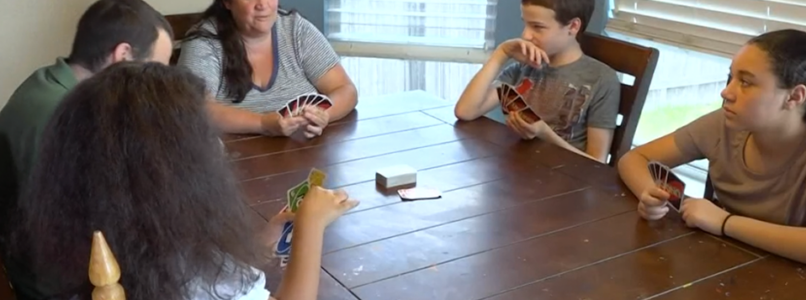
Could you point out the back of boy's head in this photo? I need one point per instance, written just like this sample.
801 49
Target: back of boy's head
566 11
107 23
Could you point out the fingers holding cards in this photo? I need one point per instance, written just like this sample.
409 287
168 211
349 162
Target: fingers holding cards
669 183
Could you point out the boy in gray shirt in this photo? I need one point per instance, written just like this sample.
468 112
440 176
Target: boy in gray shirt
575 96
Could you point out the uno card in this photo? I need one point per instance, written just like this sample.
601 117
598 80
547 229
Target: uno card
283 245
665 179
316 177
283 111
325 103
296 194
292 107
419 194
676 188
516 105
528 115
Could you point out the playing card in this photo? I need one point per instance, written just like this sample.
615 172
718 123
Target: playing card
283 111
528 115
419 194
325 103
665 179
292 106
283 245
516 105
296 194
316 177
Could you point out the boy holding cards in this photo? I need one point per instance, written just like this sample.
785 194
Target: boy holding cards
553 91
755 147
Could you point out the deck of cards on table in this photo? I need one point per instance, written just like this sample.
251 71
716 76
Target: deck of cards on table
296 106
512 102
294 195
669 182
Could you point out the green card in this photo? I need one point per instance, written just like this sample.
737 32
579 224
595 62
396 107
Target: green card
295 195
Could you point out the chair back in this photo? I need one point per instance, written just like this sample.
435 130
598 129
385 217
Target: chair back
631 59
180 24
104 271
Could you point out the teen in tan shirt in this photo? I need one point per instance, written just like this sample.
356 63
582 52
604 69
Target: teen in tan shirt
756 148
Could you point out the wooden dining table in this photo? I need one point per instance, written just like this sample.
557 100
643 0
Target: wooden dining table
517 219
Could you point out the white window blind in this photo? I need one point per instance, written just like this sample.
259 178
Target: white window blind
716 26
411 29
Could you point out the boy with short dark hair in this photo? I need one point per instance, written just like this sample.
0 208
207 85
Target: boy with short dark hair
575 97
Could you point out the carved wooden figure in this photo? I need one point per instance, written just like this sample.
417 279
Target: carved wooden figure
104 271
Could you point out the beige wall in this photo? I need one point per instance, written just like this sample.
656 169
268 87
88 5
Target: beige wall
35 32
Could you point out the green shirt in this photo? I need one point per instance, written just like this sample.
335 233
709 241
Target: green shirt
22 122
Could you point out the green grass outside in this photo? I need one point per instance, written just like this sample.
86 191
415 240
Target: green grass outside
659 122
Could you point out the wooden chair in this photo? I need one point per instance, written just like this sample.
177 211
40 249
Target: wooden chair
104 271
627 58
180 24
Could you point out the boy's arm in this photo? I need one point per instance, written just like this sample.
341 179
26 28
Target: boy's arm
602 115
479 97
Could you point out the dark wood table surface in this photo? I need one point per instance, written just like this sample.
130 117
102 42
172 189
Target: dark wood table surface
518 219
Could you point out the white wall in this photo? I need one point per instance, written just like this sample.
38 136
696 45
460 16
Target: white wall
35 32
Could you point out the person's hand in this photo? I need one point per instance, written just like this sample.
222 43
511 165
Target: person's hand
275 227
525 130
652 203
524 51
322 206
317 121
277 125
703 214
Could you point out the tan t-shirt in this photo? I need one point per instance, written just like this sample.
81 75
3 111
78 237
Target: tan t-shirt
777 197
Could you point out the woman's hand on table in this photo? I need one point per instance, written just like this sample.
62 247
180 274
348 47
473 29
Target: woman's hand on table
317 119
277 125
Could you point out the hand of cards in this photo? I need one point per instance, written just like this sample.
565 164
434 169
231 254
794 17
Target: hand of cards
669 182
296 106
512 102
295 195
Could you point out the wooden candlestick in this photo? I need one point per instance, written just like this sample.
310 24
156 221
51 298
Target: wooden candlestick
104 271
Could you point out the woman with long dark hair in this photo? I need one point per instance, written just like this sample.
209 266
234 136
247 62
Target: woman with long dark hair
755 147
256 56
130 152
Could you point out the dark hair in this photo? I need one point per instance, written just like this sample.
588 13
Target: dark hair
566 11
787 55
108 23
236 71
131 152
786 50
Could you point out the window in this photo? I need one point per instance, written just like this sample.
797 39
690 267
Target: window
412 29
390 46
716 26
696 39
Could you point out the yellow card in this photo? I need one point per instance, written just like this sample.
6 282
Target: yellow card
317 177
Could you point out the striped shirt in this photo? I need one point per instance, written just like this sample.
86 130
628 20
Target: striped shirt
301 56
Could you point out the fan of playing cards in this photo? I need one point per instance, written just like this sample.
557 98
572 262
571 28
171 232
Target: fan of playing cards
296 105
669 182
294 197
512 102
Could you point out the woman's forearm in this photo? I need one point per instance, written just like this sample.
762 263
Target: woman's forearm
786 241
344 98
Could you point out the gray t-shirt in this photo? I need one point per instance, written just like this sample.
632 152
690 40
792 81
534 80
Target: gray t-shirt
301 56
568 98
777 197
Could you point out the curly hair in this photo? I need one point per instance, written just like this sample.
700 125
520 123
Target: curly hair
131 152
